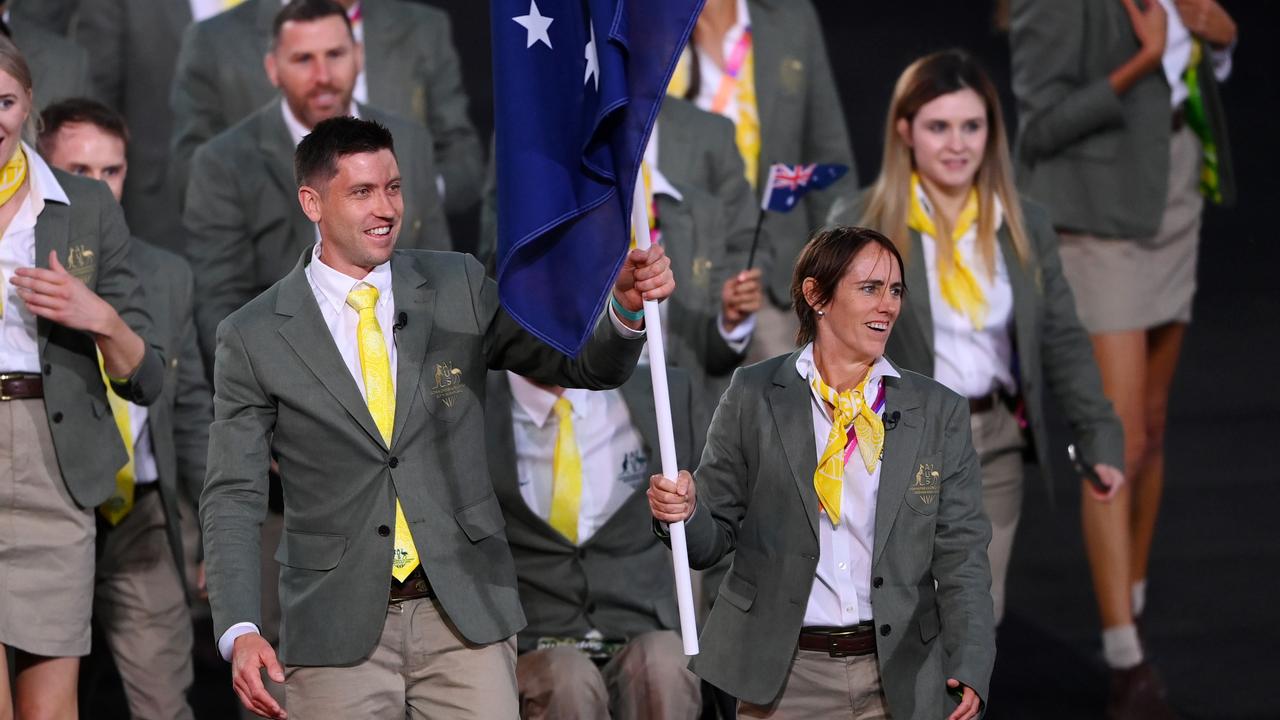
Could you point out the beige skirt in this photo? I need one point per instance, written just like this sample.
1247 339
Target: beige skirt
1138 283
46 542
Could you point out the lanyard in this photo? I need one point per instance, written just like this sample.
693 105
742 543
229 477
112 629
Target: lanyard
729 82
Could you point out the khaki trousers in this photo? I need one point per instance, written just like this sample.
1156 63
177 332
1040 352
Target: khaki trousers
998 440
421 668
140 606
648 679
821 686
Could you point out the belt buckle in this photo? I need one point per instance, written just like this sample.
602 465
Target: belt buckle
834 637
5 377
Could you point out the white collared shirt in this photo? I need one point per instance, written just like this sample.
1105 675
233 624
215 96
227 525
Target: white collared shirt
1177 55
614 462
709 73
841 592
331 288
19 346
971 362
205 9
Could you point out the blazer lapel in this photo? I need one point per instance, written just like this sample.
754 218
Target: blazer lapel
307 334
52 233
901 444
1026 296
416 303
502 453
791 406
918 296
768 60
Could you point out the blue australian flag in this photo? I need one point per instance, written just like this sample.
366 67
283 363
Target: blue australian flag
577 87
788 183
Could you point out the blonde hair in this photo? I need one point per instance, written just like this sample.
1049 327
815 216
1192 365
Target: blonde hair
889 198
15 66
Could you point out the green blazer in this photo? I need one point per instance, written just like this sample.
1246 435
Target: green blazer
930 587
59 66
243 224
410 63
1098 161
619 581
282 390
801 121
179 419
92 242
1050 346
133 48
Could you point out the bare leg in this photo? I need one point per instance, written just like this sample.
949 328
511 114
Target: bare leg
1122 360
1164 344
46 687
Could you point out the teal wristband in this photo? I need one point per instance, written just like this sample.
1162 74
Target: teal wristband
625 313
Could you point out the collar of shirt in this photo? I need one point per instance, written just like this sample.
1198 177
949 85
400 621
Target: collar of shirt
661 186
538 403
44 188
334 286
297 130
807 369
972 234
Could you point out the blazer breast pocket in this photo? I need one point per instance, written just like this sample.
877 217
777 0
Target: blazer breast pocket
445 387
926 485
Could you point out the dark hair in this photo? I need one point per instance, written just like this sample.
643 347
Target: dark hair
317 156
307 11
78 110
826 258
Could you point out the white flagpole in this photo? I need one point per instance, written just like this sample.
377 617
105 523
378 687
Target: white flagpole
666 433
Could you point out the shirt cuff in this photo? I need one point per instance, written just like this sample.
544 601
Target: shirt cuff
228 639
738 338
1221 60
623 330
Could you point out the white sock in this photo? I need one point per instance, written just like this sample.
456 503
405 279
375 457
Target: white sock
1139 596
1120 647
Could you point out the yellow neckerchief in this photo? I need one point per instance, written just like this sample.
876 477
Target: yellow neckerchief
957 283
13 174
848 408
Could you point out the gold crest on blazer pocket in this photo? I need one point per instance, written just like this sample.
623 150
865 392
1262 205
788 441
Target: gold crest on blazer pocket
926 485
81 263
791 75
445 390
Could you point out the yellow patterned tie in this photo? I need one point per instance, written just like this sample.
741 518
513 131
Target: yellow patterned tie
12 175
121 501
566 471
848 408
380 395
228 4
957 283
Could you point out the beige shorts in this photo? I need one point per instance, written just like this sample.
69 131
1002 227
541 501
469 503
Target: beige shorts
46 542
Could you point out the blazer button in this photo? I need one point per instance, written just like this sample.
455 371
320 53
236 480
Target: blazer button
884 630
48 369
877 582
582 553
393 462
57 417
383 530
591 608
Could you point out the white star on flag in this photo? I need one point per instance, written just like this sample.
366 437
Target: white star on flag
593 60
536 23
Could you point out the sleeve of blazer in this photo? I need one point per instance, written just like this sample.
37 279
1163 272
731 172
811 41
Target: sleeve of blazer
826 136
1069 365
99 27
194 101
214 221
1057 104
193 403
722 483
459 155
960 565
234 501
728 182
606 361
118 285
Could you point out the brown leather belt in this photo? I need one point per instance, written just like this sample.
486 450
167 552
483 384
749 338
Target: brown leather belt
415 586
21 386
988 401
839 641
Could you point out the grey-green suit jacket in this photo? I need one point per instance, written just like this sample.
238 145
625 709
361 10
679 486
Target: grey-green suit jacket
283 390
53 15
411 66
92 242
1098 161
801 121
244 226
59 66
133 46
930 587
619 581
179 419
1051 347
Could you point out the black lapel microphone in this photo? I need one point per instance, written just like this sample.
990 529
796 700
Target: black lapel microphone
402 319
891 420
